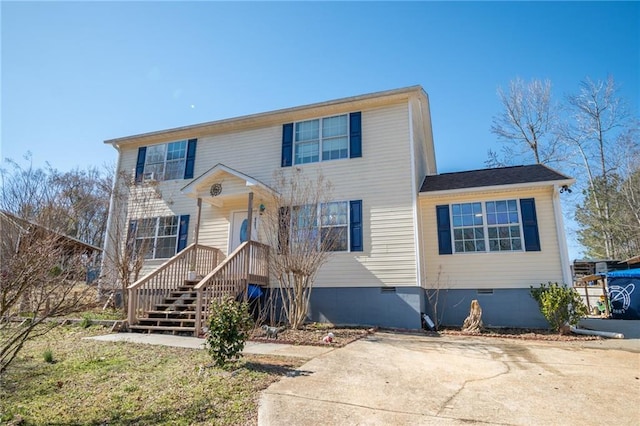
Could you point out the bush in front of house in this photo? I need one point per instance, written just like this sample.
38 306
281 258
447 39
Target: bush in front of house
229 328
559 304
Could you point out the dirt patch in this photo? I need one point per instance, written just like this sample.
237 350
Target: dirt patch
314 335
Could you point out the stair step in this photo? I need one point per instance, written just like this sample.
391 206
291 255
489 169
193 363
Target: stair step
151 328
172 320
167 314
181 292
175 307
179 300
165 323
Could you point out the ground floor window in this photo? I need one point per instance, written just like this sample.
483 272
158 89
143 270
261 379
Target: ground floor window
486 226
156 237
333 226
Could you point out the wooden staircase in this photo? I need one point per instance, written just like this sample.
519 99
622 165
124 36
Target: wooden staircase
164 302
176 314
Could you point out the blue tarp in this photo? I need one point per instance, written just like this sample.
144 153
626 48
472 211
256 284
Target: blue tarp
254 291
623 288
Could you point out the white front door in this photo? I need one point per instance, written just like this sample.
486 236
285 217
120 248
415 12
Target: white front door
238 231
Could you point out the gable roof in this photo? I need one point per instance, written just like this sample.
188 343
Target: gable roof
370 100
515 175
192 187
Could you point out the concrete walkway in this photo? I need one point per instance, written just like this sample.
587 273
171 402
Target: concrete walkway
410 379
259 348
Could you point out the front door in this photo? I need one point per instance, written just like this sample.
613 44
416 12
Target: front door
238 231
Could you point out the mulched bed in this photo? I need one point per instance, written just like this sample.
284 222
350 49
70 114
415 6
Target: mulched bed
312 334
519 333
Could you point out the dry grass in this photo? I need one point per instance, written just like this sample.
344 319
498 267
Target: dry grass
94 383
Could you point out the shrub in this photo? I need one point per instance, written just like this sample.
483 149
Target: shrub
229 327
48 356
559 304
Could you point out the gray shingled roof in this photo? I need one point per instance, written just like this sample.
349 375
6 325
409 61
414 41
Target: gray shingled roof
491 177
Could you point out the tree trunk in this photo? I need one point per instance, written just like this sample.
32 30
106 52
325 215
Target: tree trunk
473 323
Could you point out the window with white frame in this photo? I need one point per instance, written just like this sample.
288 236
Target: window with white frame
503 225
488 226
322 139
468 227
334 225
157 237
331 220
165 161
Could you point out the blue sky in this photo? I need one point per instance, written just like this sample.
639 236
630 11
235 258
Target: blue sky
77 73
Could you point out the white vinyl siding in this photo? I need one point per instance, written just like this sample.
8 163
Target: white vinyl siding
381 179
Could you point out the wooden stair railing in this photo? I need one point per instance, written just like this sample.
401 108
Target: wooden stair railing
152 289
248 264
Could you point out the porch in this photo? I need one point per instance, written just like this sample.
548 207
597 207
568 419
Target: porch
176 296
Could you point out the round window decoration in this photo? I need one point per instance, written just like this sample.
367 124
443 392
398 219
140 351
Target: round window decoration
215 189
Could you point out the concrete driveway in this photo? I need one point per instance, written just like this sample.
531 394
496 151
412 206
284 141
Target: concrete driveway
397 379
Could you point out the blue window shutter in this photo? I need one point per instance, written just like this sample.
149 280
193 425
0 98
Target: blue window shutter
355 135
183 232
131 234
530 224
142 154
191 158
444 229
284 219
355 218
287 145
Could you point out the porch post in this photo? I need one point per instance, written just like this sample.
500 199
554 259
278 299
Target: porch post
250 216
247 254
196 233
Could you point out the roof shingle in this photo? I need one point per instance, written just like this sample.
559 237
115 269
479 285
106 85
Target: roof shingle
491 177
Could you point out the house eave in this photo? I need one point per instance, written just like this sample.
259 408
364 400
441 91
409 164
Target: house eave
270 118
497 188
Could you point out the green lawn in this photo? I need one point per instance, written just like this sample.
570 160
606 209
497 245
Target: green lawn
91 382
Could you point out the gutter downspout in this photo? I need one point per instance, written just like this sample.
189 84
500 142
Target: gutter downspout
414 200
562 238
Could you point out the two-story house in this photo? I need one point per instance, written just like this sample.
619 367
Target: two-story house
486 234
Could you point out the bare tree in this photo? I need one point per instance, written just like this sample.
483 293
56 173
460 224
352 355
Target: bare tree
433 292
83 202
126 244
603 135
75 203
38 281
293 225
526 126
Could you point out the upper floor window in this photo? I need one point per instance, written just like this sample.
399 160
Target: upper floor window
168 161
322 139
496 226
